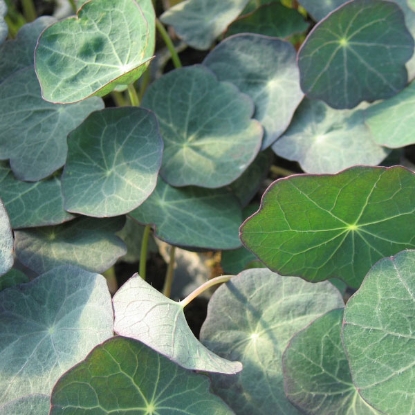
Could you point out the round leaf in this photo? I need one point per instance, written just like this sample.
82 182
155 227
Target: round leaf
317 377
320 9
324 140
6 241
252 318
143 313
113 161
192 217
33 134
32 204
209 136
105 45
265 69
199 22
319 227
88 242
48 325
392 121
35 404
123 376
379 333
358 53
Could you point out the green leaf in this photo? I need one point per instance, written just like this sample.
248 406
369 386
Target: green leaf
392 121
265 69
87 242
378 335
4 30
324 140
358 53
252 318
143 313
105 45
317 377
272 19
6 241
212 222
320 9
123 376
209 136
48 325
35 404
33 133
17 54
199 22
248 184
319 227
11 278
113 161
32 204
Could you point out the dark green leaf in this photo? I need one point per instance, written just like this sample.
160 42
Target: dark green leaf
88 242
192 216
11 278
105 45
33 133
32 204
319 227
324 140
265 69
123 376
144 314
209 136
358 53
379 332
252 318
113 161
317 377
48 325
199 22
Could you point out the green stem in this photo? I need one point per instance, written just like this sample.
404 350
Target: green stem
204 287
29 10
166 38
280 171
144 250
144 83
73 5
170 273
119 99
132 93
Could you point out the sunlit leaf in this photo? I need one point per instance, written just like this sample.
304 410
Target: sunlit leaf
33 133
6 241
88 242
105 45
319 227
113 161
358 53
35 404
143 313
48 325
123 376
4 30
209 136
252 318
199 22
192 216
320 9
324 140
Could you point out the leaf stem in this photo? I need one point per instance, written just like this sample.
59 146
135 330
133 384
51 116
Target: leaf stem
204 287
132 93
166 38
280 171
144 250
29 10
119 99
170 273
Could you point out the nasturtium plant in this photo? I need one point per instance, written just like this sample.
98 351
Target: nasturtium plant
261 137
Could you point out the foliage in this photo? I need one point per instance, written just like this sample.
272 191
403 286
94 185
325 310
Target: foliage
185 156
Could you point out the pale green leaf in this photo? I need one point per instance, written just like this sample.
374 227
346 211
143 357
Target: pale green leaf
252 318
320 9
265 69
48 325
143 313
6 241
35 404
209 136
113 161
105 45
